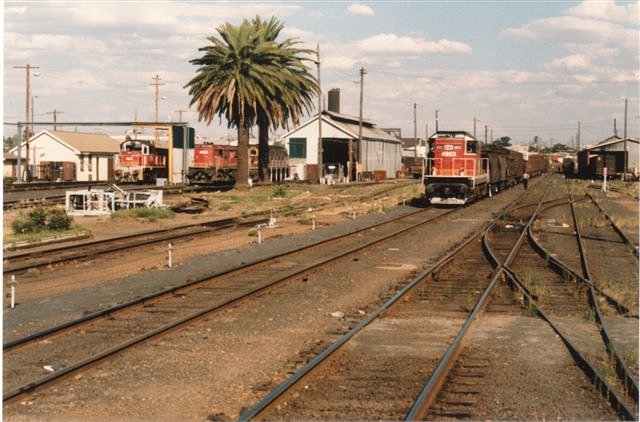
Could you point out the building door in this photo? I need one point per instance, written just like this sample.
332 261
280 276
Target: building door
110 170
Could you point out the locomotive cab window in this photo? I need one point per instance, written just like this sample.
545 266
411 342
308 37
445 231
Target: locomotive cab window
472 147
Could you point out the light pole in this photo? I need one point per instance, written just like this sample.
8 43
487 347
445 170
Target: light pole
320 150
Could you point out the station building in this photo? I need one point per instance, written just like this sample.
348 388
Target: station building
70 156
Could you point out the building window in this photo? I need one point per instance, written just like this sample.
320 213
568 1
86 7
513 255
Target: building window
298 148
82 162
89 166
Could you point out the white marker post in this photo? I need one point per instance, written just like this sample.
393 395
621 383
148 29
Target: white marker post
12 284
170 250
259 234
604 182
313 222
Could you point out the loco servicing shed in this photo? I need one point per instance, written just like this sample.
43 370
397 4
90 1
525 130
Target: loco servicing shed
378 154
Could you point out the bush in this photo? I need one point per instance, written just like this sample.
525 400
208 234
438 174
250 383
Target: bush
58 220
150 214
40 219
280 191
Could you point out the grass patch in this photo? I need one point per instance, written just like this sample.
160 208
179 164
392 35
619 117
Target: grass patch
13 238
148 214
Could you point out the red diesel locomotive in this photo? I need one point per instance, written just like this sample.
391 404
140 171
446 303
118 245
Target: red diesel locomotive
141 161
459 169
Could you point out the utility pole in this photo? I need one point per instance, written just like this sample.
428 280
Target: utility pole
615 127
320 150
578 138
33 105
415 132
27 134
624 171
436 120
157 85
55 117
362 73
180 113
485 134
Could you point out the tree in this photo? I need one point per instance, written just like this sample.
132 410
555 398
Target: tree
228 83
9 142
289 92
246 77
504 141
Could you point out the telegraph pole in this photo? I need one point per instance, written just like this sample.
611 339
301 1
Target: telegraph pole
362 73
27 134
624 171
578 138
436 120
320 150
485 134
157 85
55 117
415 132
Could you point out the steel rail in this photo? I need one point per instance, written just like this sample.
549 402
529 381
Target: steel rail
432 387
600 383
189 318
617 229
622 369
330 350
564 269
205 227
191 283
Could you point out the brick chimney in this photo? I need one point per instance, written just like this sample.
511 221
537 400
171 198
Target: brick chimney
334 100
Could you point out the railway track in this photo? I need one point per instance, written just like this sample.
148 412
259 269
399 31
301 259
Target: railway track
376 370
609 295
16 263
76 344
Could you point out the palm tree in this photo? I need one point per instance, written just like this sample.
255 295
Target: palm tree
227 84
289 92
246 77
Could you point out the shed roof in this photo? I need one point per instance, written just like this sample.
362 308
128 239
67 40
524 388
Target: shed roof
611 141
86 142
350 126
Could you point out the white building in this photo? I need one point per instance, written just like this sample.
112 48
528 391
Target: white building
61 155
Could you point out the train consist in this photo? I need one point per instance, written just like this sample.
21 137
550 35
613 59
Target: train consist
143 161
459 169
219 163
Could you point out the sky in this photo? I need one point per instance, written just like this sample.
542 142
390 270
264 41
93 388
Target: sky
519 68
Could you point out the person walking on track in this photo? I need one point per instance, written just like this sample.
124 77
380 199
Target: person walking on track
525 180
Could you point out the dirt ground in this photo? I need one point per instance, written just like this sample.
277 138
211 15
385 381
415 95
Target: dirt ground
327 204
213 369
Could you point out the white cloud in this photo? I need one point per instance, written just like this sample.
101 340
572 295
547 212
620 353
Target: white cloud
570 63
394 44
338 62
360 9
607 11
